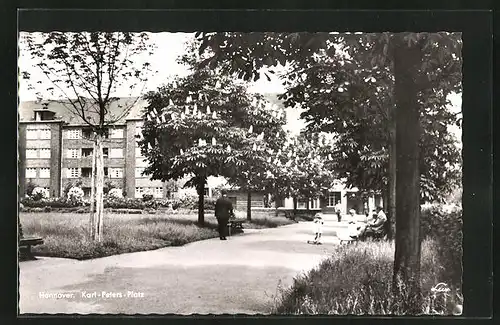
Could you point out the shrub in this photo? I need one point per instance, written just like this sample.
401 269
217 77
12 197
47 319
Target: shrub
56 202
445 227
123 203
75 194
116 192
357 280
30 186
39 193
190 202
147 197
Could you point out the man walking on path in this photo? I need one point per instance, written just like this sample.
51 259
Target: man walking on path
223 211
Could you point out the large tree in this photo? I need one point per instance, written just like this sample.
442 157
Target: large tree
344 95
85 70
419 61
206 125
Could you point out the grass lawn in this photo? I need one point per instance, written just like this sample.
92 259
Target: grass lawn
65 234
357 279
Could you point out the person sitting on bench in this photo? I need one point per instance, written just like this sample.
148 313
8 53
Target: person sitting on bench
376 226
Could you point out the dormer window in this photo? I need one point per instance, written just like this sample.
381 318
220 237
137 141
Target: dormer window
44 115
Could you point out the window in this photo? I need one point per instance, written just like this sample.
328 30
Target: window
44 172
31 134
314 203
139 191
30 172
86 172
138 130
44 153
116 173
45 133
73 153
138 172
105 152
158 192
116 153
333 198
87 152
31 153
138 152
116 133
86 191
73 172
87 133
74 134
301 204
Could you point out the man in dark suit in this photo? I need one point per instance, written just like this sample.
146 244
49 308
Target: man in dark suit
223 211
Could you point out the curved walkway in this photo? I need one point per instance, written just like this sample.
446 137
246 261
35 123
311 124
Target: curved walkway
240 275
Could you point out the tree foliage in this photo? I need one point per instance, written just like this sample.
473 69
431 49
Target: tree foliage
205 124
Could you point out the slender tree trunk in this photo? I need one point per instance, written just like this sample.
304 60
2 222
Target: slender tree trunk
100 192
201 200
92 193
249 205
99 184
406 278
294 206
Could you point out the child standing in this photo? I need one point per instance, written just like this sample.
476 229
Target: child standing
318 229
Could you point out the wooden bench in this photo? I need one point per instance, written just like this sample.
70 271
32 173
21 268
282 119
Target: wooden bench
25 245
234 224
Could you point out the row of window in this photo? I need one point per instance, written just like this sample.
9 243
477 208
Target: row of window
32 153
43 172
86 133
157 192
108 172
107 152
87 172
87 152
35 134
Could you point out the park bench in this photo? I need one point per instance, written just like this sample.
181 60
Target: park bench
25 244
234 224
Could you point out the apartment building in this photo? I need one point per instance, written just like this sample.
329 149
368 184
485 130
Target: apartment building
55 149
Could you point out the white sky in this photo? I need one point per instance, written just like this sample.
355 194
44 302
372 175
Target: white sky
169 47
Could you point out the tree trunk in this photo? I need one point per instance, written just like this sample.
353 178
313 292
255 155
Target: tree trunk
249 206
294 206
92 193
391 193
406 279
100 192
201 200
99 186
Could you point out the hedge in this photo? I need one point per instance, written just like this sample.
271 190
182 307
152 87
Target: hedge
47 205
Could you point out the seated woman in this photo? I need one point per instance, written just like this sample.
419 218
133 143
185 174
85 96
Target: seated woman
375 226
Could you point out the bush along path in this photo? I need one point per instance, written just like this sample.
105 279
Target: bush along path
240 275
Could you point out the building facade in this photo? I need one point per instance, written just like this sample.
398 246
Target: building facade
55 151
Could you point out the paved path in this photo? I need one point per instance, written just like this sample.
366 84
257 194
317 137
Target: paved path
240 275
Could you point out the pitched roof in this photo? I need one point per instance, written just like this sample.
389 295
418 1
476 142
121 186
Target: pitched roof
64 111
